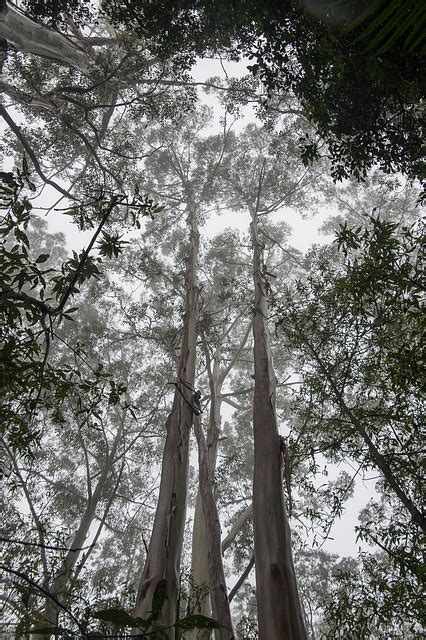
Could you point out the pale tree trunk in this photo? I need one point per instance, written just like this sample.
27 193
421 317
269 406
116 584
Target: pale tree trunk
163 557
23 34
217 584
279 610
199 560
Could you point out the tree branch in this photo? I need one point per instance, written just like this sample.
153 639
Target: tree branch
236 527
378 459
17 131
241 579
114 200
44 546
33 583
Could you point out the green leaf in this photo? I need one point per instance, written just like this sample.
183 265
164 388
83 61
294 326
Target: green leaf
197 621
20 235
121 618
116 616
42 258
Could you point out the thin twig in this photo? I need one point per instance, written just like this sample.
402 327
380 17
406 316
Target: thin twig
44 546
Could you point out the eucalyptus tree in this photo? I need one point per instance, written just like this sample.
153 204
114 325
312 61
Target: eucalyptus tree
391 197
63 513
79 119
260 180
52 394
81 479
112 436
316 53
225 327
183 174
308 506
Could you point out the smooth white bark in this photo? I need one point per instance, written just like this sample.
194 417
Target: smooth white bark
217 584
280 614
23 34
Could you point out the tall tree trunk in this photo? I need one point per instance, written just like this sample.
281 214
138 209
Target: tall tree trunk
279 610
28 36
199 560
164 551
217 584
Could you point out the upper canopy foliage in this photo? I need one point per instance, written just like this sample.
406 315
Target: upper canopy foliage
365 106
357 76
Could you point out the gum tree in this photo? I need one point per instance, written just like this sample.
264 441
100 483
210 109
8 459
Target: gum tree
260 182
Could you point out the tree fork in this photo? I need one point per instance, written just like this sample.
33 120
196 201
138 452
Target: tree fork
199 560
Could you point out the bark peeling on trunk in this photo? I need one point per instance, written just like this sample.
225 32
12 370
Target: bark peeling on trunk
163 557
199 561
279 610
217 584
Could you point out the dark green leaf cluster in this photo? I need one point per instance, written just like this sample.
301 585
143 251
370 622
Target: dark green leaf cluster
34 298
374 596
54 12
365 104
356 326
385 282
384 23
149 626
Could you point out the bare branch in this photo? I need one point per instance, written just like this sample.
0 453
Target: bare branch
236 527
22 139
241 579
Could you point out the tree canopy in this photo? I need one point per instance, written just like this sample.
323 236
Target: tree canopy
189 403
365 102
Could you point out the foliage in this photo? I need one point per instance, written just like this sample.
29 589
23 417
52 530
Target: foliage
365 106
359 324
352 328
27 379
356 325
370 601
388 22
120 618
55 13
